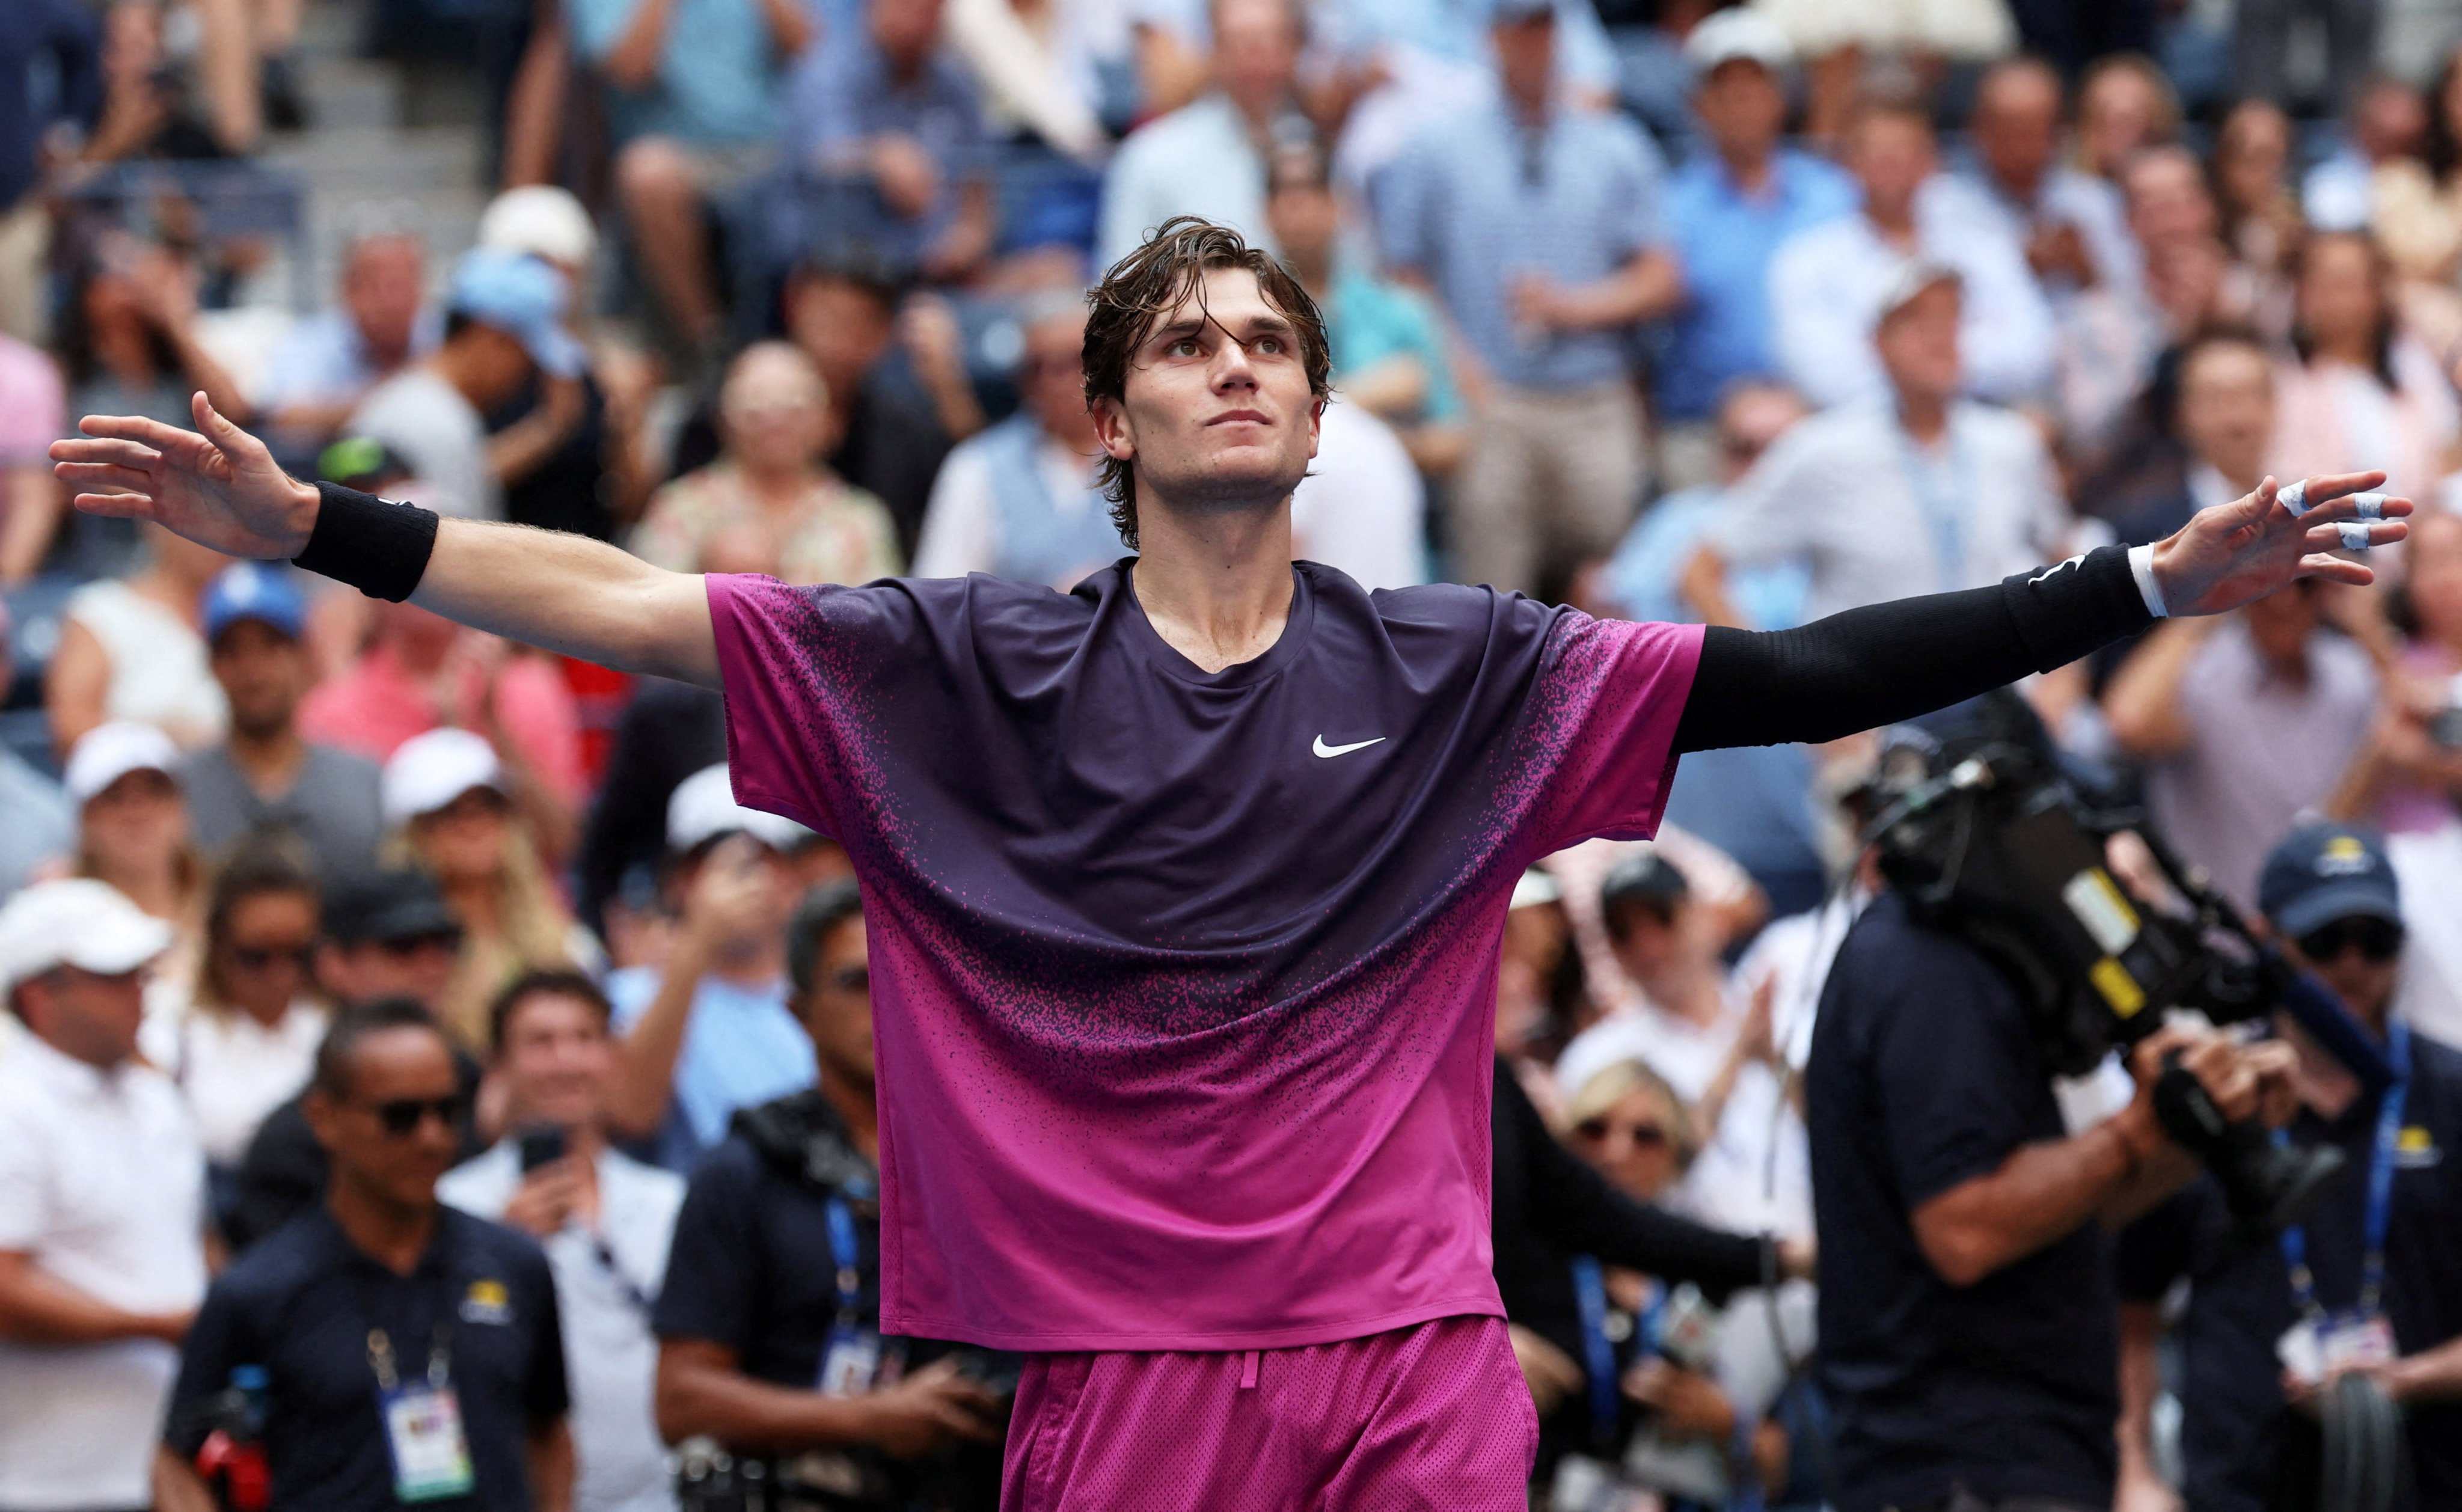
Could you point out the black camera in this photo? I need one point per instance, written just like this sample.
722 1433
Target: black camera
1988 842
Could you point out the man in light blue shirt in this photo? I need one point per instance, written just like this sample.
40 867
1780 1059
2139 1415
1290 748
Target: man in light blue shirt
694 88
2071 224
1729 209
1538 229
1208 157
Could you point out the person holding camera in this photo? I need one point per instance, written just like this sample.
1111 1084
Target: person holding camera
604 1218
768 1324
2371 1283
1968 1349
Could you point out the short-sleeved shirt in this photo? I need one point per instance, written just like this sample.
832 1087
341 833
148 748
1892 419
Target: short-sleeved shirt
1724 237
2240 1299
1182 979
1924 1076
742 1047
1484 197
718 79
301 1304
1369 320
334 807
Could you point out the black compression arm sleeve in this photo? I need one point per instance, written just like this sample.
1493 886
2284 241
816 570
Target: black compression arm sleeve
1887 663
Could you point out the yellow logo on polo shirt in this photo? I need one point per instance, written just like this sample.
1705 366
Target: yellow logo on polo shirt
486 1302
2414 1148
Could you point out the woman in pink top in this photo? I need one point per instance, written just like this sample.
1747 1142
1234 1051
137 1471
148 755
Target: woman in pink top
2358 386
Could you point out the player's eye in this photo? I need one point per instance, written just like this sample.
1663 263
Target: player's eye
1271 346
1185 347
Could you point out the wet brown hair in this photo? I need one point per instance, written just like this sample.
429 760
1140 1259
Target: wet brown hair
1167 271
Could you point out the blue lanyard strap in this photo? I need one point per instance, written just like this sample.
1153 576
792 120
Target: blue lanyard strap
843 1255
1944 510
2380 1211
1598 1354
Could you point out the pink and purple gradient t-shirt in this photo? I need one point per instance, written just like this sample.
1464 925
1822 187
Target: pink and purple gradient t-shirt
1183 982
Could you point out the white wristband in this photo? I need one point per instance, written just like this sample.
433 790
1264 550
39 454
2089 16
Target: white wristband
2141 566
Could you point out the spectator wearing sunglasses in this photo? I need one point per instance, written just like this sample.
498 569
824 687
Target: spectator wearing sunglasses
2332 898
379 1307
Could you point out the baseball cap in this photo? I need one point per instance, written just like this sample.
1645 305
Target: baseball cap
1914 276
1723 37
108 752
254 590
1644 878
542 220
703 808
521 296
429 771
76 922
2325 871
402 904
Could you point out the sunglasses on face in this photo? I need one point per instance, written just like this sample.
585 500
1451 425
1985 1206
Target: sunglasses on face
402 1115
2379 939
413 944
263 958
1647 1136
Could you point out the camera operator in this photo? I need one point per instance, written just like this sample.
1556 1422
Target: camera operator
1966 1315
2382 1251
773 1351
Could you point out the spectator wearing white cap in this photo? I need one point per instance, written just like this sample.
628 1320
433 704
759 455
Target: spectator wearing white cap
266 778
133 833
1826 284
37 824
1920 490
712 1032
129 649
101 1205
448 805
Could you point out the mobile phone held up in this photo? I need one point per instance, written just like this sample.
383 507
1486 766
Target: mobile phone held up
541 1147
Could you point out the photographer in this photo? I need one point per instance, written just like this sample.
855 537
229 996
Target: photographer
2382 1252
769 1322
1967 1343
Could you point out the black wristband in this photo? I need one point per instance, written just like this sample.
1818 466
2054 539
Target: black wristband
377 546
2076 607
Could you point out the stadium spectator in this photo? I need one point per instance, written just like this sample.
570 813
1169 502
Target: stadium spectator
1923 487
778 1358
265 778
504 318
2125 105
712 1031
33 413
2413 201
1729 209
769 500
2261 47
2408 778
312 381
2244 722
420 670
1053 81
101 1205
2358 390
669 731
1389 349
1826 284
130 650
2332 898
694 91
2070 223
133 833
148 109
449 802
243 1041
2388 126
1643 578
1540 229
2224 417
372 1307
62 37
37 824
604 1218
1021 500
2251 171
881 112
1208 156
1362 510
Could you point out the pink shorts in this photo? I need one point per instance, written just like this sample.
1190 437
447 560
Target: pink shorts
1433 1416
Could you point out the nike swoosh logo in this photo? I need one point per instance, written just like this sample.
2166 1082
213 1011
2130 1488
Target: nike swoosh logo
2054 567
1323 750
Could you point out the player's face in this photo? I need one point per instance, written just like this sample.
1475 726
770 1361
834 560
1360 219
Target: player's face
1216 410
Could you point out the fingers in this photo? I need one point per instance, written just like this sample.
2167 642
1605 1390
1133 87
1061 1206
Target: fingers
2337 570
227 438
2309 495
116 506
126 453
132 427
102 475
2353 535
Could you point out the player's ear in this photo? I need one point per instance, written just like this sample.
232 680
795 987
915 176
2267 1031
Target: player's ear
1111 428
1316 422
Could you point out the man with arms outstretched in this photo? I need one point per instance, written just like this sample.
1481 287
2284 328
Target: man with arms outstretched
1186 889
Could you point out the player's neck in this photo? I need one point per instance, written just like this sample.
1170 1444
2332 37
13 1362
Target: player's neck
1215 584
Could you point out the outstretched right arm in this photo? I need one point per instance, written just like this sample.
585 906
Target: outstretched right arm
218 486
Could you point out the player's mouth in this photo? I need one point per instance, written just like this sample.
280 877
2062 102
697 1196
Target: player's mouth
1241 417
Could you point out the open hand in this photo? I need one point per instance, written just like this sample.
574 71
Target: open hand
932 1407
220 489
2236 552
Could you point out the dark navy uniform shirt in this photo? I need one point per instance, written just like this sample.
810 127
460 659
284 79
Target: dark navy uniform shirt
1924 1076
301 1302
2240 1289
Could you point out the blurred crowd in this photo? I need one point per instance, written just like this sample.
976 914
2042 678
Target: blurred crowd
1740 314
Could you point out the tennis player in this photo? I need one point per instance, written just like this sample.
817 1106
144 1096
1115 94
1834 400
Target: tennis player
1186 888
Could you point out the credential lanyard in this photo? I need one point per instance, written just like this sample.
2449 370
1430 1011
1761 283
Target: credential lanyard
2380 1213
1598 1352
843 1255
1944 502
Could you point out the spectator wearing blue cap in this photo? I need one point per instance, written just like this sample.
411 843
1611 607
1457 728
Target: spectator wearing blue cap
504 323
2382 1255
264 777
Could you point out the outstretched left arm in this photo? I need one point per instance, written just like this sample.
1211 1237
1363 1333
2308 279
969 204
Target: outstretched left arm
1886 663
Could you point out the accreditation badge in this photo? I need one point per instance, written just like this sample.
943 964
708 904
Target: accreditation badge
431 1459
850 1362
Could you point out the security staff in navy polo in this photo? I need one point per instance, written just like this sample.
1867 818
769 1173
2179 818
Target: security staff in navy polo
2373 1281
410 1353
